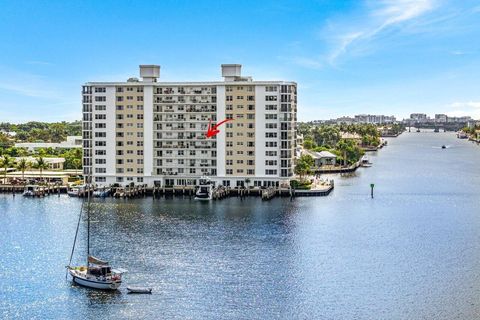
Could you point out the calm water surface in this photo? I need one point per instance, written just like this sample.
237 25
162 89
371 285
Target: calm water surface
412 252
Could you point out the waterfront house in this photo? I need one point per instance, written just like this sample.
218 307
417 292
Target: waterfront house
322 158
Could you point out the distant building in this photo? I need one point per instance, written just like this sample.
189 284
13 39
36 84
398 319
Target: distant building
9 133
53 163
459 119
420 117
72 142
374 119
345 120
441 118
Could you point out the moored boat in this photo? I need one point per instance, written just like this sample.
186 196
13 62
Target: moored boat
97 273
205 189
30 190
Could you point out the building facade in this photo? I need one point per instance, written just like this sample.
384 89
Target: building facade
145 131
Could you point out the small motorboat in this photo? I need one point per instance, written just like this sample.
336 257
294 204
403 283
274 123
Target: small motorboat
101 193
75 191
205 190
365 162
444 147
145 290
30 190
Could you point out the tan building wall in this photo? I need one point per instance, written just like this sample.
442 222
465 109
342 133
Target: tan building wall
129 123
240 133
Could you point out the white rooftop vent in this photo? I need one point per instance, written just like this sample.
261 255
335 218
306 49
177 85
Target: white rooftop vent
149 72
233 72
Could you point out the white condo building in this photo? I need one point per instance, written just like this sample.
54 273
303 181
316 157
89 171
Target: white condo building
146 131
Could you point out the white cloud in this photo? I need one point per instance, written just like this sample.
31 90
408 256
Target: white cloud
468 108
380 16
468 105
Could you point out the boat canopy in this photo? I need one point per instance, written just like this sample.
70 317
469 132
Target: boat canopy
97 261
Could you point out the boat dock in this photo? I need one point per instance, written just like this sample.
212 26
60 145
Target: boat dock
219 193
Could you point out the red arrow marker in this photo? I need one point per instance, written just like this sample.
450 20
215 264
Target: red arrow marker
213 131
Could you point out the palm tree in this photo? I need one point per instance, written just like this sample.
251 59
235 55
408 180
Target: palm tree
40 164
23 165
247 182
343 147
6 162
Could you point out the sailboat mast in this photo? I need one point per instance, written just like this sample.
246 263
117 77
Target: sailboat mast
88 217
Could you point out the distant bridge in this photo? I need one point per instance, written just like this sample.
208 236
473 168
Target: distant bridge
447 126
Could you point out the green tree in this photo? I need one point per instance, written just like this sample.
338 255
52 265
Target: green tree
304 165
41 165
23 165
309 144
6 162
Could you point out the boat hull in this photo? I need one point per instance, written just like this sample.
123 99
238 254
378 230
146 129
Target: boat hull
101 285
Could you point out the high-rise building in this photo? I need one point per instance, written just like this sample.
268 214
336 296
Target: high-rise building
145 131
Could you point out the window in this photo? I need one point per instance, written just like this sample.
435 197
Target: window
140 107
229 162
229 171
229 143
271 144
100 107
271 153
271 107
100 99
250 171
100 134
100 89
100 117
140 98
100 170
100 125
100 179
270 98
271 126
100 143
239 97
270 117
270 162
270 172
271 89
270 134
100 152
139 116
100 161
229 107
229 98
250 98
119 99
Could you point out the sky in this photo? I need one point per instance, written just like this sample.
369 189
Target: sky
392 57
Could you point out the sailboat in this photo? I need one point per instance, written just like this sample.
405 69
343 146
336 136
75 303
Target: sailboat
97 273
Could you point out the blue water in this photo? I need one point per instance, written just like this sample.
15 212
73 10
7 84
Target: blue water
412 252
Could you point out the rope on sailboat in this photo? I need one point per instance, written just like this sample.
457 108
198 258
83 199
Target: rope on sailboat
75 239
